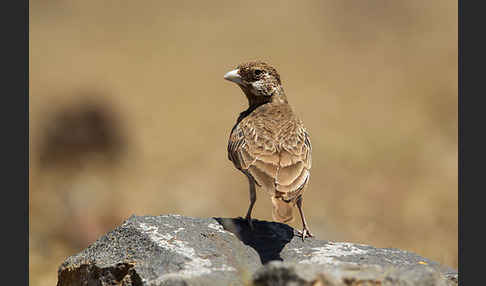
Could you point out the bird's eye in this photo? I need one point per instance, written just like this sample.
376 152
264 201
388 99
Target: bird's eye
258 72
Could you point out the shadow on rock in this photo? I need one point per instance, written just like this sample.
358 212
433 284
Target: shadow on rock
268 238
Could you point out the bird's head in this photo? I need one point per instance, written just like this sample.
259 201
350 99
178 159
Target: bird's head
258 80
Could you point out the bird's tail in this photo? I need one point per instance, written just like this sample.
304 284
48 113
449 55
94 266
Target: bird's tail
282 211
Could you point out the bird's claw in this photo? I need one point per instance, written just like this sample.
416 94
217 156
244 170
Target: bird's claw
304 233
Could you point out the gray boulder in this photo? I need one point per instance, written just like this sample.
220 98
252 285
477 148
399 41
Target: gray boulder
177 250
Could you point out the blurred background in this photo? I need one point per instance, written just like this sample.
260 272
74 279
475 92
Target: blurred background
129 114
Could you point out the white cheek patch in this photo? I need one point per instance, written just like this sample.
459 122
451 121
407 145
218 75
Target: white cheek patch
258 85
262 88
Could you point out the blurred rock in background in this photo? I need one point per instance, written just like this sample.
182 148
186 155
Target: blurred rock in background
83 131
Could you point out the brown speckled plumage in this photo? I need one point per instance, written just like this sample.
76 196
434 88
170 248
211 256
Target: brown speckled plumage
269 143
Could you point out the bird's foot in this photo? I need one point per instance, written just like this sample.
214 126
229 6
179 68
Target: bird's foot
304 233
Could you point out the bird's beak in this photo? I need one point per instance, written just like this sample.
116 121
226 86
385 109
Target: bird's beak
233 76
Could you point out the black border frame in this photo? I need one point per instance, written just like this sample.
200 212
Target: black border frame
15 139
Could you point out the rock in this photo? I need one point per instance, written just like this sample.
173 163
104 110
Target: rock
285 273
177 250
164 250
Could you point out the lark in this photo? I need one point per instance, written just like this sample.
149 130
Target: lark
269 143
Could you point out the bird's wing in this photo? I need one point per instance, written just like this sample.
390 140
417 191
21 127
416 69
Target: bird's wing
295 160
252 150
277 156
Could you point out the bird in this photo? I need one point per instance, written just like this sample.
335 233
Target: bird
269 143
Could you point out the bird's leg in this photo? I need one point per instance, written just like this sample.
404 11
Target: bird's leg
305 231
252 201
